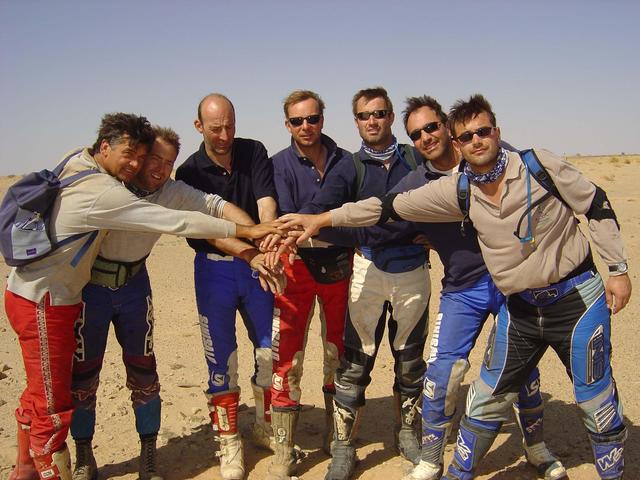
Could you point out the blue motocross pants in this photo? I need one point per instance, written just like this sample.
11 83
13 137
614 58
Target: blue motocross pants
130 310
226 285
572 318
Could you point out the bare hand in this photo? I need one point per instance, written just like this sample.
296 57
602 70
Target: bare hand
618 292
310 223
258 231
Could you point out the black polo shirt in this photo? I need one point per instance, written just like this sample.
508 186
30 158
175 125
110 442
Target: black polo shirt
251 178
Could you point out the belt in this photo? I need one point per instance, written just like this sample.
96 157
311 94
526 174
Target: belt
112 273
555 291
217 257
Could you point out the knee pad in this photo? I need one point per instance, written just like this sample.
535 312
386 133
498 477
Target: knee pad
142 378
264 366
148 417
441 386
608 453
409 370
331 363
84 385
483 406
221 381
294 376
603 413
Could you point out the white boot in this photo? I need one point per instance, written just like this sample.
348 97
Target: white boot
231 458
544 461
424 471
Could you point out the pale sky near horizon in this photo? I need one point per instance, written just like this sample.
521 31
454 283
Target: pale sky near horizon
563 75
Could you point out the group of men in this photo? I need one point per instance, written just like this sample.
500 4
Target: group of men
365 273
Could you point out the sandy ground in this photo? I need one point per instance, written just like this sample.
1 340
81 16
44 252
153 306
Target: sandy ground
186 445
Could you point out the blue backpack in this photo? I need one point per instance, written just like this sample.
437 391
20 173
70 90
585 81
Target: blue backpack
25 216
533 166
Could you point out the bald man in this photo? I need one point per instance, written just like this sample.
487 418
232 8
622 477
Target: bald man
239 170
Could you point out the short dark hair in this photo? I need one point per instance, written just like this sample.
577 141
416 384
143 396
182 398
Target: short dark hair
168 135
414 103
463 111
370 94
118 127
300 96
209 97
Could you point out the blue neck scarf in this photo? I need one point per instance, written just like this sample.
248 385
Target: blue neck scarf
381 155
493 174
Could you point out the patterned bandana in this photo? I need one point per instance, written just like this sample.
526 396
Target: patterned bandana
382 155
492 175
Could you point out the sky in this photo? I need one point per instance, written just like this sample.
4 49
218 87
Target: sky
563 75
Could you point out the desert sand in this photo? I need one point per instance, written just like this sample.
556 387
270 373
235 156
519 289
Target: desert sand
186 442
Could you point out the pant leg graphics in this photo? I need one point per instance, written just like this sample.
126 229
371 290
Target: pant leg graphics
332 299
586 353
366 315
256 310
408 327
462 315
292 312
91 331
134 326
217 301
46 337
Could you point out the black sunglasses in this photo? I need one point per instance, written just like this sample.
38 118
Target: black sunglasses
482 132
428 128
311 120
376 114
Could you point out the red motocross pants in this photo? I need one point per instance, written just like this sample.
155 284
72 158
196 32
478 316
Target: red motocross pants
292 314
47 341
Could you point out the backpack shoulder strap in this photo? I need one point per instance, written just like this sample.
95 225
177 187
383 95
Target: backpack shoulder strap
537 170
58 170
410 158
360 171
463 192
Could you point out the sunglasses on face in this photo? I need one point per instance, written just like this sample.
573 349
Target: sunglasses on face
311 120
428 128
482 132
376 114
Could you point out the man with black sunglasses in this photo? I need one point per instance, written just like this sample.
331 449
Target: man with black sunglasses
239 170
554 295
390 280
467 298
320 270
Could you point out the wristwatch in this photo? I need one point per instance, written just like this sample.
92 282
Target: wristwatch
618 268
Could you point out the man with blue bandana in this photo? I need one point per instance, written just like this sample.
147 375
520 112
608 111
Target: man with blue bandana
468 297
554 295
389 285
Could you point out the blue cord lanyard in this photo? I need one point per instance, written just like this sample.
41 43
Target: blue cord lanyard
529 238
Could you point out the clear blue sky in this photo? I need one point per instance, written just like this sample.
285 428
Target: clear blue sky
560 74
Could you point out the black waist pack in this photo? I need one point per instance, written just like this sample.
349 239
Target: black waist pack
327 265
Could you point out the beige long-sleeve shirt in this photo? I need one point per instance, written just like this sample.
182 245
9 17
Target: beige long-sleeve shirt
559 245
127 246
99 202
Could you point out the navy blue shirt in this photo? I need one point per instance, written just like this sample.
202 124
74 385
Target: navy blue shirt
297 180
251 179
340 186
460 255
